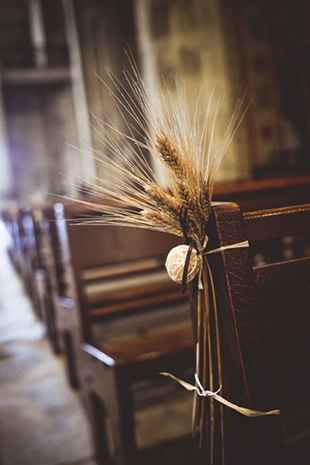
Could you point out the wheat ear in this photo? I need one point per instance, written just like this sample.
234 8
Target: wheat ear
205 200
191 203
171 157
163 220
163 199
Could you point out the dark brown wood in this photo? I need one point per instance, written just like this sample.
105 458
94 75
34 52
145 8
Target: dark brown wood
284 296
85 247
125 306
245 370
264 319
95 254
46 276
274 223
265 193
153 347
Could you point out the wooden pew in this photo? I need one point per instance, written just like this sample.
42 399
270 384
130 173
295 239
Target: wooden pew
31 228
23 248
97 384
264 332
265 193
249 195
113 271
30 256
46 276
10 218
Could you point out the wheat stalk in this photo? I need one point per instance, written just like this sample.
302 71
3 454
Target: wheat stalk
183 147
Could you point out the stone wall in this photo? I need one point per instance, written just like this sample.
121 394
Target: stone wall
187 39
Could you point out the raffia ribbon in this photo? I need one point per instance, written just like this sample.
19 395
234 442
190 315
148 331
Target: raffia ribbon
205 393
238 245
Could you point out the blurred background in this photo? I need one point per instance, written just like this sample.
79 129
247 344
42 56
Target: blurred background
52 52
54 55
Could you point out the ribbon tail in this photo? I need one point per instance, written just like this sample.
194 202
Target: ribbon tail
245 411
187 386
242 410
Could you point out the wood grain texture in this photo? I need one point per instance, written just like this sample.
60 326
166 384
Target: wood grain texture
284 296
245 368
264 327
270 224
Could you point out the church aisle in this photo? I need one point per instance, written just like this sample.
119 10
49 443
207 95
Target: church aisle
42 421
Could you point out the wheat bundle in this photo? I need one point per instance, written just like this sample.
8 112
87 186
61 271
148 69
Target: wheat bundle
162 131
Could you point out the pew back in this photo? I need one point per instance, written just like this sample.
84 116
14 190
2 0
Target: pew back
110 272
264 322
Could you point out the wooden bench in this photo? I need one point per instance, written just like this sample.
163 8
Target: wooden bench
35 254
264 315
265 193
30 257
46 275
111 367
118 291
263 352
10 218
249 195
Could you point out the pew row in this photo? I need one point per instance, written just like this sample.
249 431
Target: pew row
119 301
254 371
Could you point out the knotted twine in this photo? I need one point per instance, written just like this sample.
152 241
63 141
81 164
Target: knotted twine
184 272
206 393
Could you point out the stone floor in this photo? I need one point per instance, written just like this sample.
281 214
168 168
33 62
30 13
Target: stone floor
42 421
41 418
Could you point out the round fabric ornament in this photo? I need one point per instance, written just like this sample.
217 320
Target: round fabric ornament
176 260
